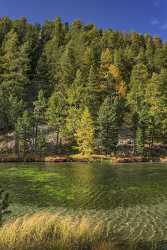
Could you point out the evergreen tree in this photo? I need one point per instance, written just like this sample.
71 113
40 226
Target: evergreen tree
39 118
15 78
68 69
56 113
136 95
14 109
76 92
58 31
72 120
107 126
76 96
41 144
92 96
42 78
25 132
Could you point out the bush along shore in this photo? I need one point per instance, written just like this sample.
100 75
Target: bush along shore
80 158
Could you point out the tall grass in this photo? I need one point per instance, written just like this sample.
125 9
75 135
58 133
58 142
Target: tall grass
48 231
55 231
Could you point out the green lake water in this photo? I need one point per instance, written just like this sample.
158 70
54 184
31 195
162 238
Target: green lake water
131 198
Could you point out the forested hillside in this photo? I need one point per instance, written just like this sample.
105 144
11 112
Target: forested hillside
82 83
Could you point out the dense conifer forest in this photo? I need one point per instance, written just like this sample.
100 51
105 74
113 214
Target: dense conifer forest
79 88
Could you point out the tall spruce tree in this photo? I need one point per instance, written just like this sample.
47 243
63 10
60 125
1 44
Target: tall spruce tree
107 126
14 77
68 67
25 133
56 114
39 117
136 98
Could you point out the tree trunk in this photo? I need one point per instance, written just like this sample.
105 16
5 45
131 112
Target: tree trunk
17 147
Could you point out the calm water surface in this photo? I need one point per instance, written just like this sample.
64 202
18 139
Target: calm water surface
132 198
90 186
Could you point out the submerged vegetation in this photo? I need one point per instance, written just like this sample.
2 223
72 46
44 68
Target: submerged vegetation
76 88
84 206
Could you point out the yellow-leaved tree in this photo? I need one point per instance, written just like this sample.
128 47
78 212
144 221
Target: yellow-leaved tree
85 133
109 69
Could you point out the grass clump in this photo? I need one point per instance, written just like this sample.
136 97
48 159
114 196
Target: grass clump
51 231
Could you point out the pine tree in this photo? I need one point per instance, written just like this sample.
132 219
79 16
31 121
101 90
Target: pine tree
25 132
58 31
56 113
4 119
72 120
41 144
76 92
15 78
9 64
14 109
136 95
107 126
24 72
39 117
93 99
40 107
42 78
140 141
76 96
68 66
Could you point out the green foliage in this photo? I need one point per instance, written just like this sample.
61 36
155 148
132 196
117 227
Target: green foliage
15 109
25 131
56 113
68 68
57 70
4 204
140 140
136 95
107 126
39 119
40 107
76 92
72 121
41 144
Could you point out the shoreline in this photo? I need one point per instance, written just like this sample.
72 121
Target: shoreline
81 158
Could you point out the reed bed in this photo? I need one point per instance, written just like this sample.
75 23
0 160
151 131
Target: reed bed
49 231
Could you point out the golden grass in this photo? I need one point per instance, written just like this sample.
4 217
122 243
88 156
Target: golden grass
49 231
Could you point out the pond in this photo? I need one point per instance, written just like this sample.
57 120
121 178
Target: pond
130 197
